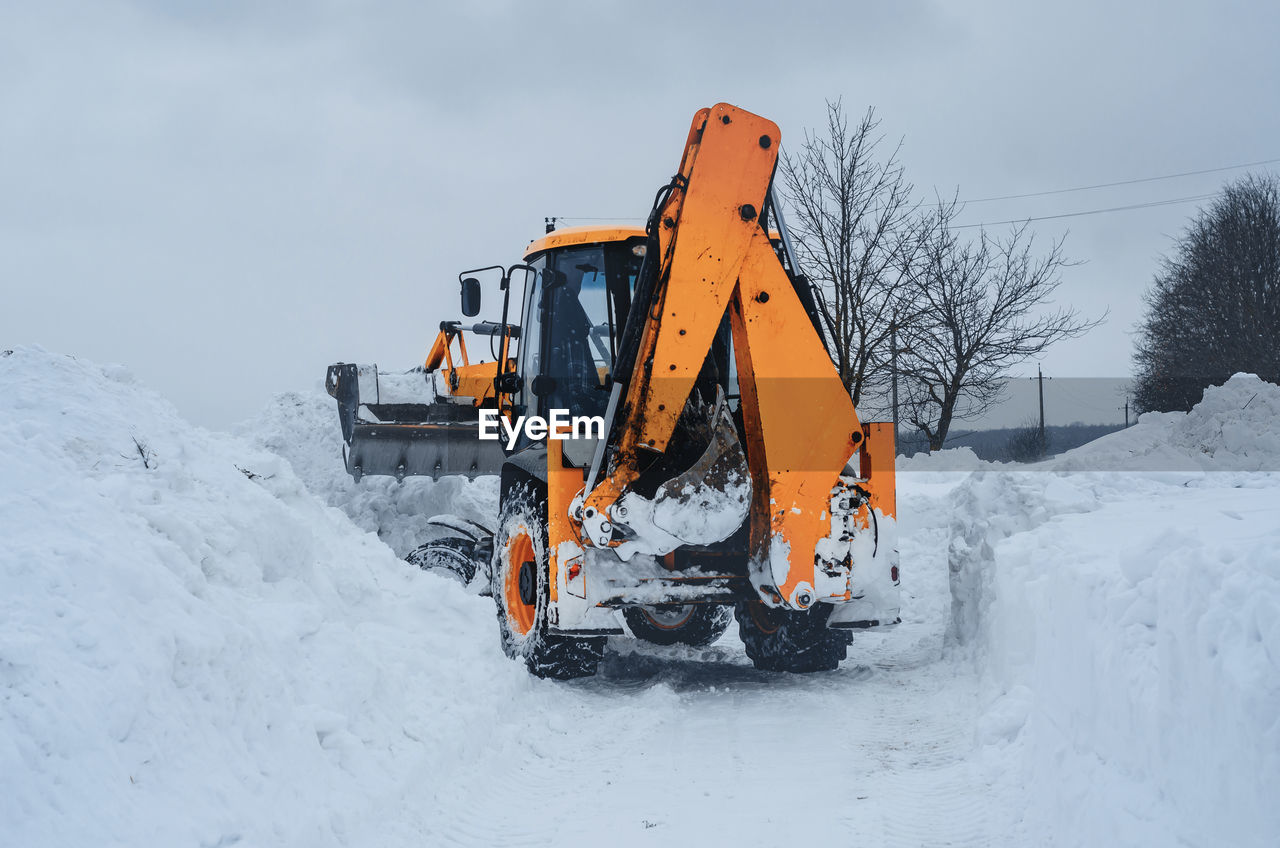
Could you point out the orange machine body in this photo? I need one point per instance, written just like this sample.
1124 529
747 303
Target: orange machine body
716 258
465 378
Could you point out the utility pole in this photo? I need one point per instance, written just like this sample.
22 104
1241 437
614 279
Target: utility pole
1126 410
1040 379
893 367
1044 444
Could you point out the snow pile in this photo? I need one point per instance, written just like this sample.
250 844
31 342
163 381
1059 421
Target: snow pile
195 651
303 428
1233 428
947 460
1129 625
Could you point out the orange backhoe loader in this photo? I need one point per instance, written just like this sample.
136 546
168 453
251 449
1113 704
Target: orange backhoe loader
727 473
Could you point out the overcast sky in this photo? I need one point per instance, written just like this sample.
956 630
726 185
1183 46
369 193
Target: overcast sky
227 197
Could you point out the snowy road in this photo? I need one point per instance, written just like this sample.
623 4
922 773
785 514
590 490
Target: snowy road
670 745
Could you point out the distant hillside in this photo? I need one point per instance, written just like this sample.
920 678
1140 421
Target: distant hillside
993 445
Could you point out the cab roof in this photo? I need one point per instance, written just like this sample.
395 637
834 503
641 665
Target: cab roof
570 236
593 234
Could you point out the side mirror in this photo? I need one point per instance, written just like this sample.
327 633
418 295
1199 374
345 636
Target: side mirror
471 297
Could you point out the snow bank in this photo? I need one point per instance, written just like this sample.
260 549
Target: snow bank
947 460
303 428
194 650
1233 428
1130 627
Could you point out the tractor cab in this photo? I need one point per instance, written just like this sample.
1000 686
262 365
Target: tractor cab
575 299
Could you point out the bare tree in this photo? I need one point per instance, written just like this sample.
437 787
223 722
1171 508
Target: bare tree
1214 308
981 309
857 232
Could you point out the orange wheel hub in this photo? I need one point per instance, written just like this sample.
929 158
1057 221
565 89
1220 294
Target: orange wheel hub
520 614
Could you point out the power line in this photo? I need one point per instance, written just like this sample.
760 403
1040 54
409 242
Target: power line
1042 194
1122 182
1149 205
1068 390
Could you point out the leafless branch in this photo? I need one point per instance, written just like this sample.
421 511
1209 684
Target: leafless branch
857 231
983 306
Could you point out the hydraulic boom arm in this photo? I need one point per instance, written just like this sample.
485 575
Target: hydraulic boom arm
800 425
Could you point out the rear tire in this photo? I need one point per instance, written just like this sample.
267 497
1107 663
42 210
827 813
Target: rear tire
519 580
790 640
687 624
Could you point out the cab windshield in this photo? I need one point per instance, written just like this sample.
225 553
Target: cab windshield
575 309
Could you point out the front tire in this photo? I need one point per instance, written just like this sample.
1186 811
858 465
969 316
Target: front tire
519 579
790 640
670 624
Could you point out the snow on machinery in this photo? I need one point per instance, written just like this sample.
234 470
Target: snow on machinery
733 472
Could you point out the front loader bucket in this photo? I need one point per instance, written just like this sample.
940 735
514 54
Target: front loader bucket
434 438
